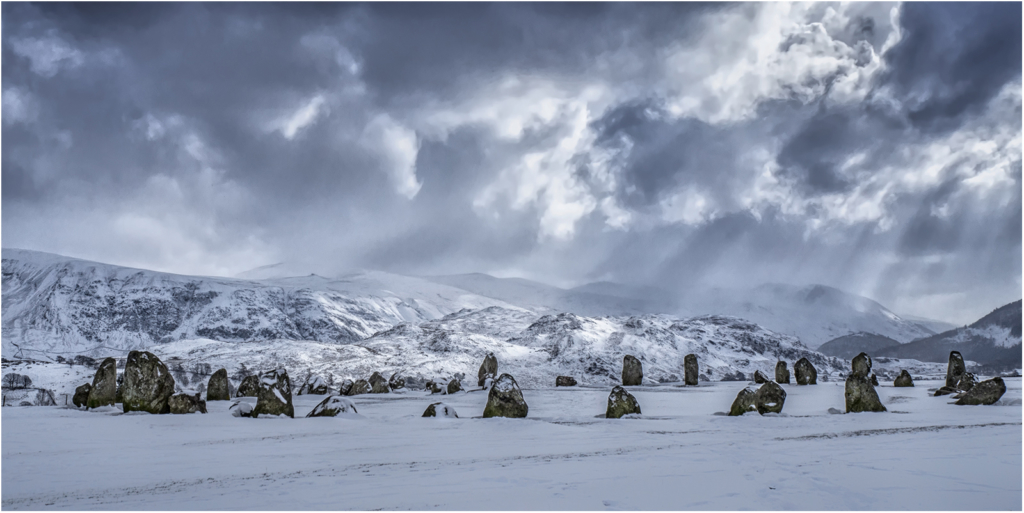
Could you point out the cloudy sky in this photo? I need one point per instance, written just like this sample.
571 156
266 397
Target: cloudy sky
874 147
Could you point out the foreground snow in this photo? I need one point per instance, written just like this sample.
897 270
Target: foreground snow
924 454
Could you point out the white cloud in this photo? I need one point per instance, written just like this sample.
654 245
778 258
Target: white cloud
47 55
396 147
302 117
18 106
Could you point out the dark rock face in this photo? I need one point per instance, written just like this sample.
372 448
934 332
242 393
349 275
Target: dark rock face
104 385
275 395
770 398
745 401
184 403
690 369
250 387
217 388
378 385
359 387
488 369
862 364
346 387
632 371
903 380
454 386
440 410
806 374
874 380
986 392
81 396
505 399
861 395
956 369
967 382
565 381
781 372
396 382
621 402
147 384
332 406
759 377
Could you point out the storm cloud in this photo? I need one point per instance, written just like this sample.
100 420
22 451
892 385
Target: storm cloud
873 147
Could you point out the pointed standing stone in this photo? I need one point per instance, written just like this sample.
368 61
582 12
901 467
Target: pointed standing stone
955 370
488 369
781 372
148 383
275 395
690 369
632 371
505 399
104 385
217 387
860 395
806 374
903 380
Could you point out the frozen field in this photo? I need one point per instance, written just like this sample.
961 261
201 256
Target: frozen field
925 454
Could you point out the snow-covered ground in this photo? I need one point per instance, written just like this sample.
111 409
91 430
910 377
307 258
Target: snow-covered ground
925 453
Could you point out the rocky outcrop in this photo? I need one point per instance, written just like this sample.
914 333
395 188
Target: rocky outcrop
378 385
862 364
903 380
359 387
621 402
104 385
746 401
632 371
396 382
250 387
806 374
565 381
986 392
781 372
333 406
505 399
691 372
147 384
185 403
488 369
759 377
454 386
275 395
956 369
861 395
770 398
218 388
440 410
81 396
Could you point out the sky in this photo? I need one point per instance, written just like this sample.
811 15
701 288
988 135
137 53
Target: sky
873 147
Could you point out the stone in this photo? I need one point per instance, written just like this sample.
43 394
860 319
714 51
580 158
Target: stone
185 403
250 387
903 380
218 388
759 377
104 385
632 371
119 395
621 402
565 381
746 401
440 410
505 399
770 398
781 372
275 395
967 382
956 369
691 372
454 386
378 385
874 380
986 392
396 382
314 385
488 369
148 384
241 409
81 396
806 374
861 395
359 387
346 387
334 406
944 391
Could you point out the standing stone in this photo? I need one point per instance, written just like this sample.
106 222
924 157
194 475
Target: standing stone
378 385
147 384
862 364
185 403
454 386
396 382
956 369
967 382
632 371
505 399
903 380
81 396
860 395
769 398
759 377
986 392
332 406
314 385
488 369
359 387
806 374
565 381
346 387
621 402
217 388
690 370
250 387
275 395
440 410
104 385
781 372
745 401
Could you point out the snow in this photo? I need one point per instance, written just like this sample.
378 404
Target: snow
924 454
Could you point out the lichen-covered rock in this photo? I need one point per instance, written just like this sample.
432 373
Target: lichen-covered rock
955 370
861 395
770 398
218 388
250 387
454 386
967 382
334 406
781 372
806 374
275 395
378 385
862 364
505 399
81 396
104 385
488 369
440 410
903 380
621 402
759 377
632 371
565 381
346 387
691 372
359 387
944 391
148 384
241 409
746 401
315 385
396 382
185 403
986 392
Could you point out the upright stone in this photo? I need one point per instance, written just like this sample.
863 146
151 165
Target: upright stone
217 388
781 372
860 395
346 387
147 384
250 387
746 401
759 377
81 397
770 398
862 364
903 380
986 392
275 395
378 385
806 374
690 369
632 371
488 369
104 385
955 370
505 399
621 402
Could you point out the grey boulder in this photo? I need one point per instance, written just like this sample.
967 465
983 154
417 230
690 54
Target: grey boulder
903 380
691 372
781 372
759 377
621 402
986 392
378 385
218 389
770 398
333 406
861 395
185 403
746 401
104 385
440 410
505 399
81 396
250 387
148 384
275 395
565 381
806 374
359 387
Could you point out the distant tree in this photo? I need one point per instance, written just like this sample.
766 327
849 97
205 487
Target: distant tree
242 372
16 381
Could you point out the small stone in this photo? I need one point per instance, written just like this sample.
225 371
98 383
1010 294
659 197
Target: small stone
860 395
632 371
454 386
378 385
565 381
314 385
440 410
81 396
986 392
185 403
955 370
770 398
488 369
862 364
346 387
275 395
217 388
621 402
746 401
505 399
903 380
690 370
250 387
781 372
333 406
104 385
759 377
806 374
